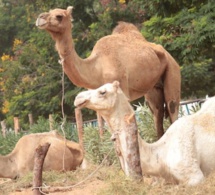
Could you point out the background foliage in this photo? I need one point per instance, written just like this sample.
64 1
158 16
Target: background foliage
30 76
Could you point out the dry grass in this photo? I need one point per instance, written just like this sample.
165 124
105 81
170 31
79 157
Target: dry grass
109 180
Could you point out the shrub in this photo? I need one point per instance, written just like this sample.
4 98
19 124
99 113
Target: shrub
98 147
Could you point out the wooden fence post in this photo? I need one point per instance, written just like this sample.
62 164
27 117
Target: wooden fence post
51 122
79 122
3 128
31 119
40 154
16 125
130 157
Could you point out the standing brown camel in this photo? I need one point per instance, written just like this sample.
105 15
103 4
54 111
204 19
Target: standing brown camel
141 67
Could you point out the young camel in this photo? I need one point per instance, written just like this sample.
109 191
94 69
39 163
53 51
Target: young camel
185 153
62 155
141 67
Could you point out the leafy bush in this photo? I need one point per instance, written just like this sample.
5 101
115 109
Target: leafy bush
98 147
58 124
7 144
145 123
42 125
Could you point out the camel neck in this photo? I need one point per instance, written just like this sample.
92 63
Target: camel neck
78 70
125 114
64 44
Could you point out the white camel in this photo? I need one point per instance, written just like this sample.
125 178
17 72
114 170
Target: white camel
62 155
186 152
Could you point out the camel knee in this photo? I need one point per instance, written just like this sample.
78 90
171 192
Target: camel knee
172 107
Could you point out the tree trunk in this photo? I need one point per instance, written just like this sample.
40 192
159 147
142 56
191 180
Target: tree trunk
79 122
40 154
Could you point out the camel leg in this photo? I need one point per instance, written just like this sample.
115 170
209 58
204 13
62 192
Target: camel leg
172 92
155 101
173 109
171 82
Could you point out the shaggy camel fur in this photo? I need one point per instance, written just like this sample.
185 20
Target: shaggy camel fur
141 67
184 154
62 155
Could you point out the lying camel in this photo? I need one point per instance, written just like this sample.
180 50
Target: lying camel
185 154
62 155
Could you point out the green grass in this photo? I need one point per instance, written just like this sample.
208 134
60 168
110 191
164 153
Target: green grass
111 181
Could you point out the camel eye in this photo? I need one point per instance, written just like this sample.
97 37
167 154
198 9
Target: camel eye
102 93
59 17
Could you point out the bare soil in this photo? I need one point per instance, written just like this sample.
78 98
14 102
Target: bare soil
90 188
105 181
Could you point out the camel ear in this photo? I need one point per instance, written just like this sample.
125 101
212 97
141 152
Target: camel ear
69 9
116 85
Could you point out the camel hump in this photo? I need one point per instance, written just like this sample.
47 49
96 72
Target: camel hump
126 28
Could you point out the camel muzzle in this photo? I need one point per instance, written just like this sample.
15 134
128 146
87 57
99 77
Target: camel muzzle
81 99
41 21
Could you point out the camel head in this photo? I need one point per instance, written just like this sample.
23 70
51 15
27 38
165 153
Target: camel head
56 20
101 99
113 105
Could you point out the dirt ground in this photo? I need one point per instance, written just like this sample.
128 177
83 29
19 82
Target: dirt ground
107 180
90 188
86 189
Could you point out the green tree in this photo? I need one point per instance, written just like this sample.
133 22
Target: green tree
30 76
187 32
